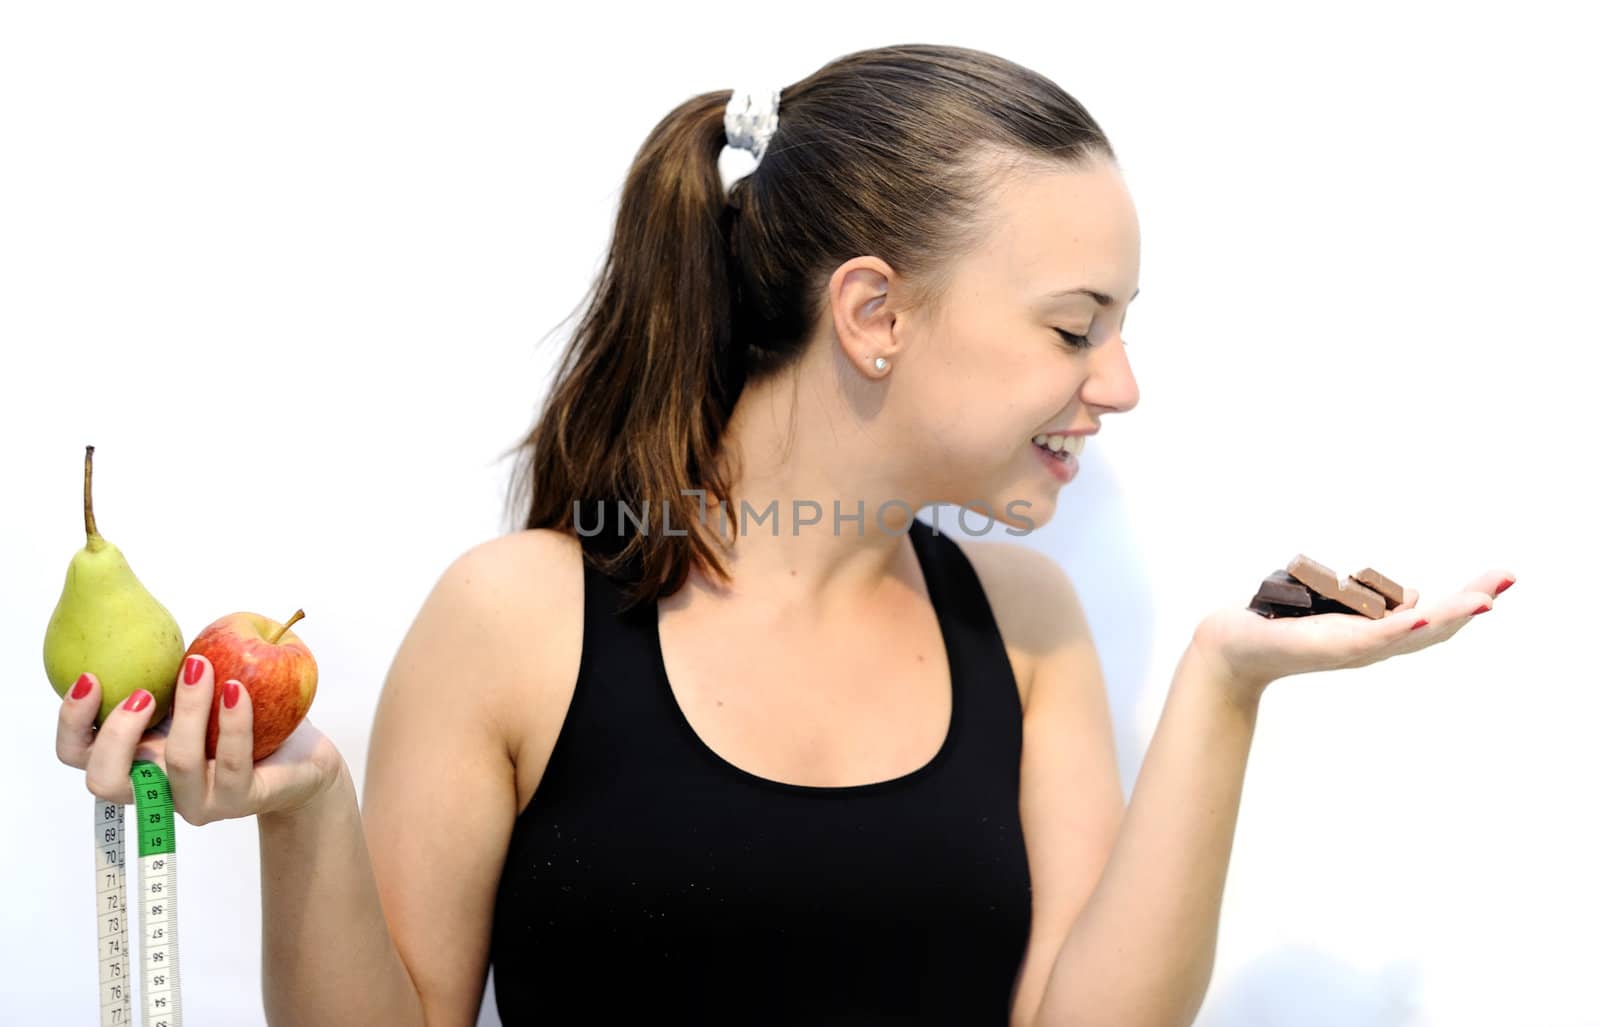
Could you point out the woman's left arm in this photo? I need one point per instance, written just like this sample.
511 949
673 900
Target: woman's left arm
1141 951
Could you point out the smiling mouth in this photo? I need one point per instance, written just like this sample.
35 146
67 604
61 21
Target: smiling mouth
1060 446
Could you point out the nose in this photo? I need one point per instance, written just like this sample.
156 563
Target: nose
1110 383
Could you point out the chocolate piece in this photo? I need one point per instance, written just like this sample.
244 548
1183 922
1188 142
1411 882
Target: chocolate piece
1272 610
1393 594
1315 576
1278 587
1347 593
1361 599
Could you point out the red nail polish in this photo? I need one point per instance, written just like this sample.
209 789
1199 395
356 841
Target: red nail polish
137 701
1504 585
81 689
192 668
230 694
1482 609
1419 624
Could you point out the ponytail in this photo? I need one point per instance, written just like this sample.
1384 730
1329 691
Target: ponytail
647 383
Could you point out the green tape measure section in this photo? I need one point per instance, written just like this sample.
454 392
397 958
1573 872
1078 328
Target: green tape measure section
152 799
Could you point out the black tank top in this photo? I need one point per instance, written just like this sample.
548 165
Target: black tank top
650 880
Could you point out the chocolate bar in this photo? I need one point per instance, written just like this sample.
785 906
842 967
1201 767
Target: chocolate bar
1393 594
1306 587
1272 610
1280 589
1281 596
1323 581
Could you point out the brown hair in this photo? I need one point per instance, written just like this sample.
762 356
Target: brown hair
890 151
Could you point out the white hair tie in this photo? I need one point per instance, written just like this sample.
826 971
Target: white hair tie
750 120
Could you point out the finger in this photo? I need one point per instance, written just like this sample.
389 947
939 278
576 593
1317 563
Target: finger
230 786
1445 617
1378 638
75 721
186 739
1491 582
111 755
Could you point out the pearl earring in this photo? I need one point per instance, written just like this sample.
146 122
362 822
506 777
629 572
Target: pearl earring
880 363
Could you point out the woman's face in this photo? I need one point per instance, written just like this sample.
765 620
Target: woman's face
970 390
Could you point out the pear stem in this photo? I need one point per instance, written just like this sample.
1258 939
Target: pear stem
273 638
88 499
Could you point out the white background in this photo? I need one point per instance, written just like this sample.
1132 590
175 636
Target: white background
288 267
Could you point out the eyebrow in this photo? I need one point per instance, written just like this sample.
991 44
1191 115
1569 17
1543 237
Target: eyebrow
1099 297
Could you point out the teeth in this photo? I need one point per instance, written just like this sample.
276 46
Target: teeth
1056 443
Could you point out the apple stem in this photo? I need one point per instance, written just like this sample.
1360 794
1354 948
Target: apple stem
96 543
279 633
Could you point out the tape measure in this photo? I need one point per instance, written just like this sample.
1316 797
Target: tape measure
158 904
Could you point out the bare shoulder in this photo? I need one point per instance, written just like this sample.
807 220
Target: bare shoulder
526 591
541 549
511 576
1035 604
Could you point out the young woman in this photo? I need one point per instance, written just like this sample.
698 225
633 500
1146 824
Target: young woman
778 753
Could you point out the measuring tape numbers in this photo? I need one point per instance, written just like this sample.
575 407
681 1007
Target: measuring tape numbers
158 904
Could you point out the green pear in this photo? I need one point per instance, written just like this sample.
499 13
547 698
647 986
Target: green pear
107 623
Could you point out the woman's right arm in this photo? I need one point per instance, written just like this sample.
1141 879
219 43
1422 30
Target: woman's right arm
326 952
383 916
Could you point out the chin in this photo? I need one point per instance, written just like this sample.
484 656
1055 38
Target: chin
1011 514
1027 516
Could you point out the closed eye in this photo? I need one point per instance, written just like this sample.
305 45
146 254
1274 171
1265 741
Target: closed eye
1075 341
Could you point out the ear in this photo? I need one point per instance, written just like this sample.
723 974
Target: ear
863 319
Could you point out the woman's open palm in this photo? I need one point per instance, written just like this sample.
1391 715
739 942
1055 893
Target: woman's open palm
1254 650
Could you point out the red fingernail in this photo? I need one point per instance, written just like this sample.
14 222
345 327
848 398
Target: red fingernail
1482 609
1504 585
192 667
81 689
137 701
230 694
1419 624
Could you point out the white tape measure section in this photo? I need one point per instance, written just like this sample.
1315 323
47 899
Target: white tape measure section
157 904
111 916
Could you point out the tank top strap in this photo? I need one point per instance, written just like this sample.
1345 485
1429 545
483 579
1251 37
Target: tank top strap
612 730
990 704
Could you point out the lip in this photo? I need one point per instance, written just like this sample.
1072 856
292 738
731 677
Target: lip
1063 471
1069 434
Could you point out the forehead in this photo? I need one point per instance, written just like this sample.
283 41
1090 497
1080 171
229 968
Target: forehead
1064 229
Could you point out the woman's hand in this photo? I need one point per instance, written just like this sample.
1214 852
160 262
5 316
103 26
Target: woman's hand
203 790
1249 651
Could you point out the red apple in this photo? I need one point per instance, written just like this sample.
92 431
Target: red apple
274 666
